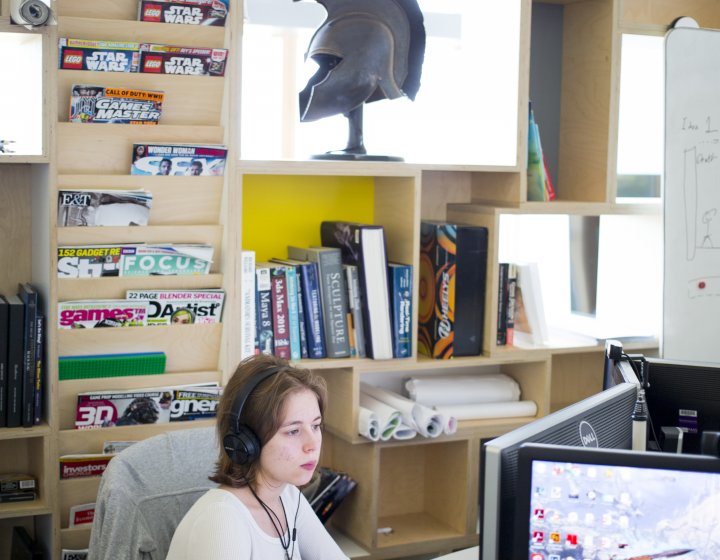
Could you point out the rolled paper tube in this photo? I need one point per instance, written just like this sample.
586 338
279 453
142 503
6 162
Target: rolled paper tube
388 417
368 425
480 411
404 432
462 389
419 417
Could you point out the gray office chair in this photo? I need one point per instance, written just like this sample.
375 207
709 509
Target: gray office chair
147 489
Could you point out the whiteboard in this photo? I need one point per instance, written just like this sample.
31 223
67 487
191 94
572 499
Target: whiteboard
691 287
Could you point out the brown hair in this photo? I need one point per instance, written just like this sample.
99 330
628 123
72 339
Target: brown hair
262 409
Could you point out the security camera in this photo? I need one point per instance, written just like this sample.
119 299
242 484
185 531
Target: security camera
31 13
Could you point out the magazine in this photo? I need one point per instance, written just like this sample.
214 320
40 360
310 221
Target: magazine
99 104
91 261
92 314
74 554
188 12
167 260
168 307
99 56
84 465
87 207
82 514
187 61
178 159
146 406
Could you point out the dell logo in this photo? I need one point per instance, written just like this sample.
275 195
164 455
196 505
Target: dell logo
587 435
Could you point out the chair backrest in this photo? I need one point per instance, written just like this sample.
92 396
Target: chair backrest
147 489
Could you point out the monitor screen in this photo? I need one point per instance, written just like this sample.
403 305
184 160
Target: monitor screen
577 504
602 420
684 395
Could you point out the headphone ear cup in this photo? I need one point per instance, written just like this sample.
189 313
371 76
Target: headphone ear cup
242 446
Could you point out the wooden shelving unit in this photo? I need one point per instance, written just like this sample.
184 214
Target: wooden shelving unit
426 490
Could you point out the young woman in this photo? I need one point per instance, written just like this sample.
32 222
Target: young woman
270 426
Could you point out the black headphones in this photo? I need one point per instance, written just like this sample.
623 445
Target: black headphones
241 443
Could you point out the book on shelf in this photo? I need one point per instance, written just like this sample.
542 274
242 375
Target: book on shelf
264 310
23 546
17 482
290 289
98 56
400 281
511 304
280 312
185 12
453 269
327 491
174 307
89 207
310 300
100 104
4 312
15 369
530 326
29 296
185 61
539 182
363 245
101 313
102 409
355 299
247 304
502 304
40 366
300 326
178 159
81 514
333 296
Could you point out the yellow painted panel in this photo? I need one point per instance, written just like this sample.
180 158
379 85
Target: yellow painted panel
282 210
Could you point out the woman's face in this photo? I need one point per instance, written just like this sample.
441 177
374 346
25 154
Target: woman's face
292 454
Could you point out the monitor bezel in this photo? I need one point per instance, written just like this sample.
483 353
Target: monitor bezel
530 452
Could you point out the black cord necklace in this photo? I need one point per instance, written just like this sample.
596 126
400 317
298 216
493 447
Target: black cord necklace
277 524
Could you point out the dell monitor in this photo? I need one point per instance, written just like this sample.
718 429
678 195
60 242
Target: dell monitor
576 504
602 420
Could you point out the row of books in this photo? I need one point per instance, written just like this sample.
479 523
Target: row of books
342 299
22 358
128 56
142 308
507 289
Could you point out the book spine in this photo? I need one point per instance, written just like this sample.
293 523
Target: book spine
512 286
264 311
334 298
4 311
247 304
313 311
293 312
470 280
29 298
15 362
39 367
301 315
281 327
502 302
400 282
355 304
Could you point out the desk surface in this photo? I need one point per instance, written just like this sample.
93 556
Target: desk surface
467 554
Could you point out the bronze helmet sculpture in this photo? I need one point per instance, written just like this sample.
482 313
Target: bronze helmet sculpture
366 50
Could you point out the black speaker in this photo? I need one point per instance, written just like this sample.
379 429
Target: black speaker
241 443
